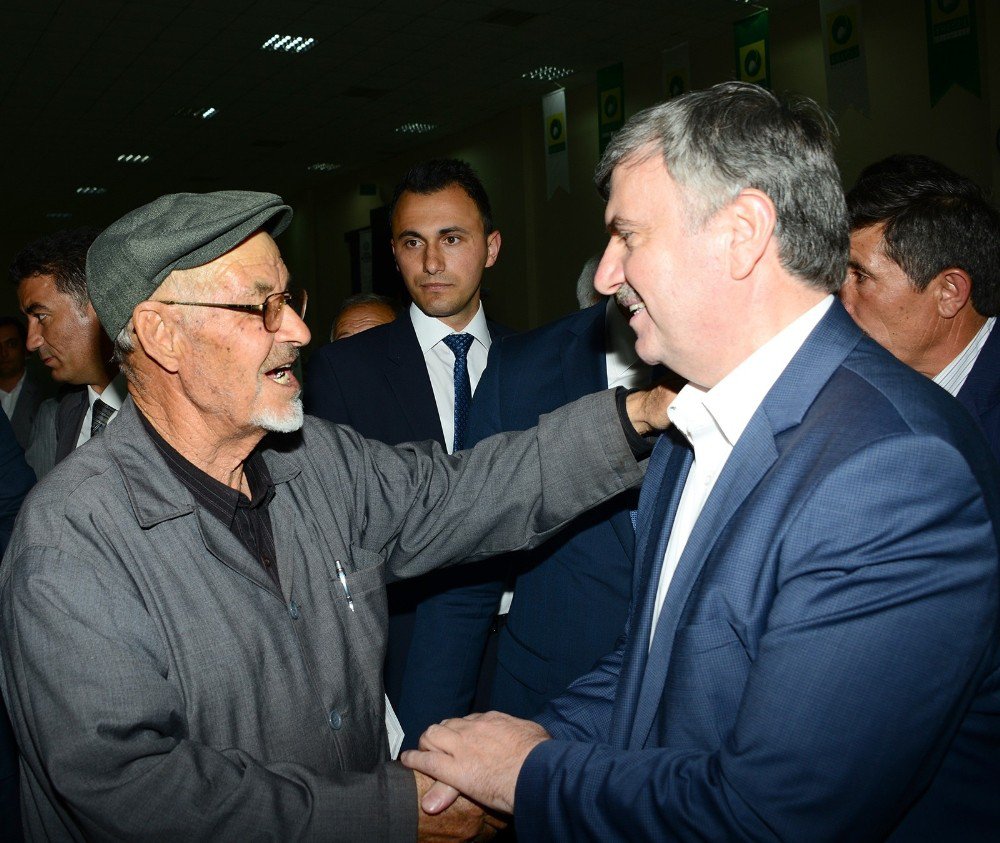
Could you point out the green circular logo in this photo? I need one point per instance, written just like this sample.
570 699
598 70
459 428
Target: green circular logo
676 86
610 106
947 6
555 129
842 29
752 63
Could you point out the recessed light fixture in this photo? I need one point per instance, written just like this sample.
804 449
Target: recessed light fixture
288 43
548 73
133 158
58 215
198 113
91 191
324 167
416 128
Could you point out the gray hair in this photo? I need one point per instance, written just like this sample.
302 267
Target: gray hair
733 136
586 295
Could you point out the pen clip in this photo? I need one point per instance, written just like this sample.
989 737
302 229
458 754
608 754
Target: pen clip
343 584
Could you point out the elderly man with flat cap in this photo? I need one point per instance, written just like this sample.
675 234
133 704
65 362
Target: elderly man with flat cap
193 612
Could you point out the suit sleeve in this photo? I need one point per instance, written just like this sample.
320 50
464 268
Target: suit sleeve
881 626
452 624
322 392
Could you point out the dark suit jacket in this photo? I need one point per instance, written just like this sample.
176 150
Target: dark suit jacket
69 419
21 419
825 664
571 594
981 391
377 383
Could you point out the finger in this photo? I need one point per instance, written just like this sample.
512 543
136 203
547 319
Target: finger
440 797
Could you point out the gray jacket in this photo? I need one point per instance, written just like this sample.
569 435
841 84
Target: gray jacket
162 687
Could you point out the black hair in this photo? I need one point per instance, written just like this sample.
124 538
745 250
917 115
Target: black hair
62 255
439 173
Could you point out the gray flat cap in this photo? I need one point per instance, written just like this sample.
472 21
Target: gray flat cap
179 231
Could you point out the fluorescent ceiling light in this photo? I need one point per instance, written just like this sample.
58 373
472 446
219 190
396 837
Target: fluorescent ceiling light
548 73
133 158
58 215
91 191
323 167
416 128
199 113
288 43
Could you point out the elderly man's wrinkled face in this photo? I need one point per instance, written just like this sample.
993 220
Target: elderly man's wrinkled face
241 375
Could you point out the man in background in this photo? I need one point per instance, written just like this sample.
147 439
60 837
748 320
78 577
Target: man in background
413 379
51 280
924 277
20 393
360 312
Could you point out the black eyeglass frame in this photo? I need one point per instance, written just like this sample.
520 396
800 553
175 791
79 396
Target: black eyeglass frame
291 298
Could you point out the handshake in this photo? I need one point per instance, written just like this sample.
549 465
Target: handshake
479 756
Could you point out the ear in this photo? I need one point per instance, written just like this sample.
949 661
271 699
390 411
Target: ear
395 259
492 248
952 290
752 218
158 334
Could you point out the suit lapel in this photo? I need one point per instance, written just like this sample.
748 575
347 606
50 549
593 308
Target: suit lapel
783 407
668 469
405 372
981 390
69 420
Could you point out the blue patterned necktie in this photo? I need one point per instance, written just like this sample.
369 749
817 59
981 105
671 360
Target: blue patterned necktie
459 345
100 416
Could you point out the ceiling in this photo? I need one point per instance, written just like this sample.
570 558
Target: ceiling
84 81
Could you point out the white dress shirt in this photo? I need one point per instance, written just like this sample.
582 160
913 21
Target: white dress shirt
953 376
713 421
113 395
440 361
9 399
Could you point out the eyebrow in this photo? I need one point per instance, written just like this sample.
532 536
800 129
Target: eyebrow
33 308
617 222
451 229
857 266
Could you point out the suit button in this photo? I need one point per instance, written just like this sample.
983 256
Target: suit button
336 721
293 610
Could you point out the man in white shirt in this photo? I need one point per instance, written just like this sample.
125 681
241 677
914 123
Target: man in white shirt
397 382
811 650
50 275
924 278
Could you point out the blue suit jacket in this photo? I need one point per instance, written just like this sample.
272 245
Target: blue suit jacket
825 664
981 391
571 594
377 383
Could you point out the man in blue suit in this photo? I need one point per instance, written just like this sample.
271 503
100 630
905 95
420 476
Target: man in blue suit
811 652
571 594
924 277
396 382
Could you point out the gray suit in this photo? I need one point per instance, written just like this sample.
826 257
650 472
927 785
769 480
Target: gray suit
163 687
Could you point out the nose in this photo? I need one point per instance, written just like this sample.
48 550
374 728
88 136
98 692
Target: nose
293 328
609 276
433 259
34 335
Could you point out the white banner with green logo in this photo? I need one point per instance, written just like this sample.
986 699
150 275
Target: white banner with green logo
753 42
610 104
676 71
556 155
952 46
844 56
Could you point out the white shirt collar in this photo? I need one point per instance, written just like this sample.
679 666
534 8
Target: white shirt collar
431 330
620 342
732 402
953 376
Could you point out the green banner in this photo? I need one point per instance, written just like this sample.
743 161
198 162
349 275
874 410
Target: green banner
952 46
610 104
753 54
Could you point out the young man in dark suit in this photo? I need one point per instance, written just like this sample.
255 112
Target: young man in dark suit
404 381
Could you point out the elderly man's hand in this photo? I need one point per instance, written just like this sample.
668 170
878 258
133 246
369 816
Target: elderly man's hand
481 755
460 819
647 408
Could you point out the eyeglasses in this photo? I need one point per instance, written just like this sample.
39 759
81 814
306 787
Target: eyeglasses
271 310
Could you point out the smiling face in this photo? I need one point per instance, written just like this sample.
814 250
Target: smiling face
237 375
68 338
441 252
661 271
885 304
